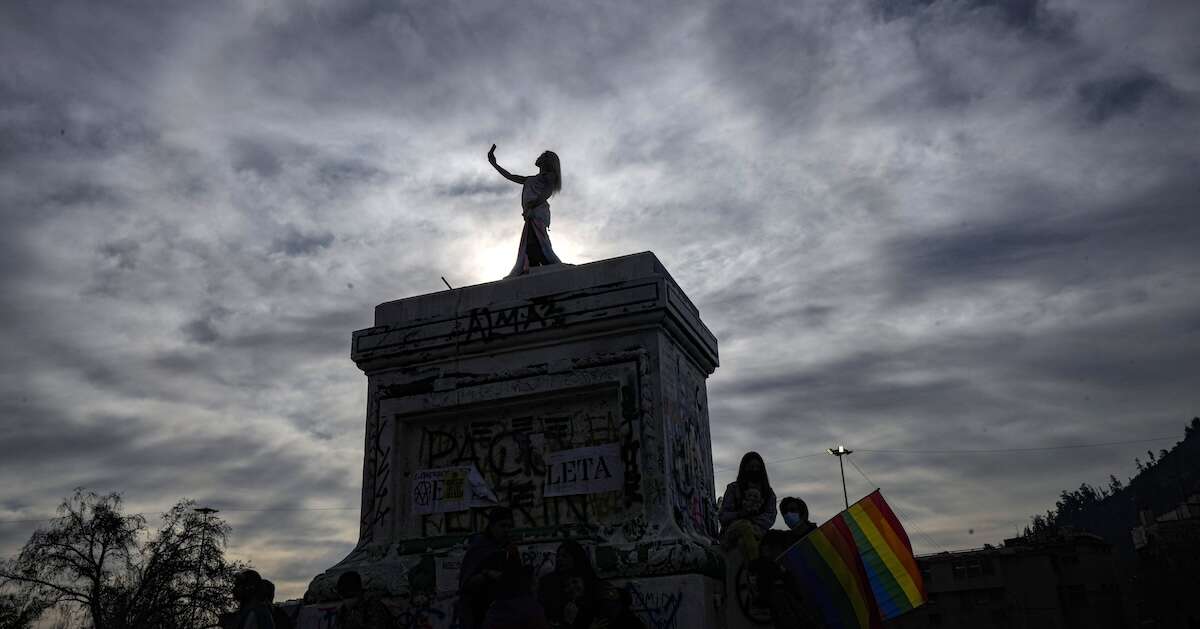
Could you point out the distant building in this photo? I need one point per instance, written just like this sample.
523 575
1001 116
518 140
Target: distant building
1168 566
1066 580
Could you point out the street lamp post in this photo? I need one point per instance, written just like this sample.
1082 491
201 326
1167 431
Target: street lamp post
840 452
207 513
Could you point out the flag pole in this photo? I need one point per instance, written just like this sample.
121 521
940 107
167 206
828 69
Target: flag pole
840 452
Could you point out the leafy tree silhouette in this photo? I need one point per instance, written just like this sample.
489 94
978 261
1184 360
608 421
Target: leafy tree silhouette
108 564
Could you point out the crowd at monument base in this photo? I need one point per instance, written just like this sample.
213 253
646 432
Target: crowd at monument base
574 396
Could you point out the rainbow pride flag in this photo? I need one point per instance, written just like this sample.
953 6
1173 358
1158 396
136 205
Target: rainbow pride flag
857 569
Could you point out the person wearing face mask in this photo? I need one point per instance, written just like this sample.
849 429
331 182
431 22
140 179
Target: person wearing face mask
777 588
748 508
795 516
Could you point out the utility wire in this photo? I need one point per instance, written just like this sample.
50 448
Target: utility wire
1034 449
971 450
27 521
904 515
795 458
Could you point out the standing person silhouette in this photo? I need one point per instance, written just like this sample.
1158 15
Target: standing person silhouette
251 613
488 568
535 249
358 610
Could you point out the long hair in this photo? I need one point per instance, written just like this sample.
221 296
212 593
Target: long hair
744 478
554 168
583 563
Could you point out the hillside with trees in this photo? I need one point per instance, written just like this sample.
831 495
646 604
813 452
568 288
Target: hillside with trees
1163 481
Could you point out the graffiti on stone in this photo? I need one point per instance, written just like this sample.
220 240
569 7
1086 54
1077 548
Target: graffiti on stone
630 444
445 489
376 475
420 618
634 529
488 324
514 450
659 608
689 445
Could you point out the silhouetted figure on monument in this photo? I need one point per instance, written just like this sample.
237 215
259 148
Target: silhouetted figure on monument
535 249
748 509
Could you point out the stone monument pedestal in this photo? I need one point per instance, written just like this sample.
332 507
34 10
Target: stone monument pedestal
574 395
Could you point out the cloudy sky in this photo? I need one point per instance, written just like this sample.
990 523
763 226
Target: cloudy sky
912 224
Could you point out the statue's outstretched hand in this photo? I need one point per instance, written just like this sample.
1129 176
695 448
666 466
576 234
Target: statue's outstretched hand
492 154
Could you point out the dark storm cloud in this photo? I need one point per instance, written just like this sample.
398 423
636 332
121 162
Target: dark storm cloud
123 252
912 224
1053 241
141 456
475 186
295 243
256 157
201 331
343 173
134 456
1016 13
320 334
1104 98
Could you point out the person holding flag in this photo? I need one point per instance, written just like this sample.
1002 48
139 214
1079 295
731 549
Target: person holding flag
857 570
777 588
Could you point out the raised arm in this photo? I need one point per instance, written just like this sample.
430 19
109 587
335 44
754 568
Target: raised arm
507 175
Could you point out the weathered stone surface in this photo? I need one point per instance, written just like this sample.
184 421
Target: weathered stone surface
502 375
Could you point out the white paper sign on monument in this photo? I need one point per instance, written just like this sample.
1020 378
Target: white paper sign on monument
447 573
445 489
588 470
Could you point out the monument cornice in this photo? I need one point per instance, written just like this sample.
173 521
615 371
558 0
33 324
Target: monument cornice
620 295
